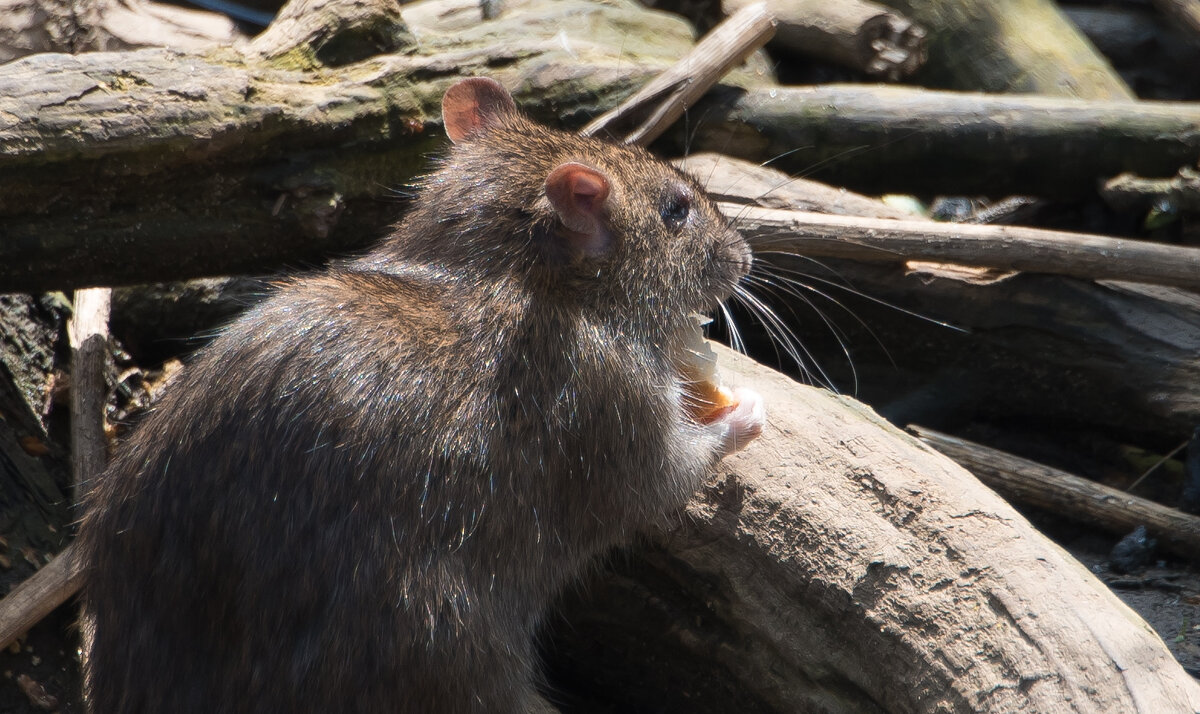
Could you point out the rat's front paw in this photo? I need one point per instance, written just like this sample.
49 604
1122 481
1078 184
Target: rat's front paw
742 424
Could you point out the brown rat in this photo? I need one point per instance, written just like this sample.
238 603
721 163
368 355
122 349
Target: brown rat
363 494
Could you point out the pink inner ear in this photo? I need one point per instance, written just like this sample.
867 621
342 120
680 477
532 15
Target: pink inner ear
578 192
473 104
590 190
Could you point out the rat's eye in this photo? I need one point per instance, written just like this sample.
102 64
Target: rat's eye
675 205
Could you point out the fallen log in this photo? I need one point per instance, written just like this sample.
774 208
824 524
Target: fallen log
873 138
156 165
837 565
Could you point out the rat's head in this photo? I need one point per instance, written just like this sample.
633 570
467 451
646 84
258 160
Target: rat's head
586 222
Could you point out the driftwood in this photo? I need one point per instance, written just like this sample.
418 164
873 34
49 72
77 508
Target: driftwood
1077 498
1011 46
839 566
895 139
1004 248
858 34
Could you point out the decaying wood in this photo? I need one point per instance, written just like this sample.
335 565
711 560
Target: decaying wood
1025 46
838 565
37 597
1006 248
858 34
1068 495
1128 192
655 107
31 26
887 139
88 333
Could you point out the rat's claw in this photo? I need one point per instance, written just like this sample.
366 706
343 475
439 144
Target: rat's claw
743 424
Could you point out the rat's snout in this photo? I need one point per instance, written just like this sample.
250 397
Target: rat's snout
740 254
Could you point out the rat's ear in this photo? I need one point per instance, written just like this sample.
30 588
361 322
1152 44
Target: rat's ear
473 104
578 194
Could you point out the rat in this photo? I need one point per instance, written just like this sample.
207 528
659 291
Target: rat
362 495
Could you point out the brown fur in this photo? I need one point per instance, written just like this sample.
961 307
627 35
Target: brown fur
362 495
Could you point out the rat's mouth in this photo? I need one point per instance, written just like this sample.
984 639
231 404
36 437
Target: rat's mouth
705 400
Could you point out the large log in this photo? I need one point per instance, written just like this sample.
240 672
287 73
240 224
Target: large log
837 565
186 165
883 139
153 165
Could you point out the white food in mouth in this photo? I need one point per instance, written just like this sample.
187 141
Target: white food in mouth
705 399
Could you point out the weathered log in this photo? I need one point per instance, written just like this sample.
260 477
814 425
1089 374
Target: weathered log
32 26
881 139
187 165
1004 248
857 34
1068 495
298 169
840 566
1024 46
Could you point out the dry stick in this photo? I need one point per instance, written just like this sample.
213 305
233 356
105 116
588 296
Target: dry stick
62 577
1128 192
37 597
1033 250
668 95
1060 492
88 333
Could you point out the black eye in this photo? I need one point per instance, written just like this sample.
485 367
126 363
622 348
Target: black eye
674 206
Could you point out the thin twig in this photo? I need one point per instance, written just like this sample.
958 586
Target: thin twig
650 111
62 577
